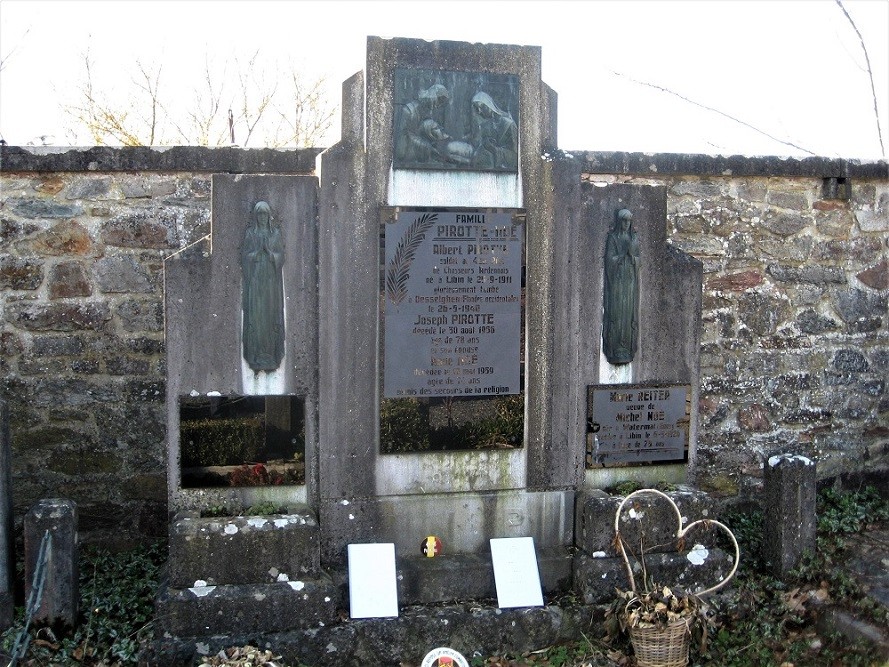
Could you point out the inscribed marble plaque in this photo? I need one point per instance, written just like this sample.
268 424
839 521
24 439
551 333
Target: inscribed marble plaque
373 590
452 288
638 424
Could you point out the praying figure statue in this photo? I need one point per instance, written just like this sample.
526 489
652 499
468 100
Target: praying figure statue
620 322
263 291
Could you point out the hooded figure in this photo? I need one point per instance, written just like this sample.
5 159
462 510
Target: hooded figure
494 136
620 325
262 255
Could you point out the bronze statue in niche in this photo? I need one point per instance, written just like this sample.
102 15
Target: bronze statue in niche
620 321
262 292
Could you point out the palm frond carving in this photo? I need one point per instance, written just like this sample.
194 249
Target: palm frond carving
398 272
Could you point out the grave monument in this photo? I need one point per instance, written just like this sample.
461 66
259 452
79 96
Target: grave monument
454 326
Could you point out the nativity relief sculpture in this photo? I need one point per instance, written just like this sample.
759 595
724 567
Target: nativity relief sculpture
463 121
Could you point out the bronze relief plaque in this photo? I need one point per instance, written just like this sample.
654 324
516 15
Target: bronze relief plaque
455 121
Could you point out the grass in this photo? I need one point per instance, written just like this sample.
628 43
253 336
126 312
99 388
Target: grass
759 621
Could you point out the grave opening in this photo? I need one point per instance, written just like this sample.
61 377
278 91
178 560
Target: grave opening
242 441
451 423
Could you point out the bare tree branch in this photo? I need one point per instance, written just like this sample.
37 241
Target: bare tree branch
205 111
5 58
716 111
870 75
106 121
241 97
252 83
150 84
306 115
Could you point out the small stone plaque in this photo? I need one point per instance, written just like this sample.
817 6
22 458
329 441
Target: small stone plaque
373 591
516 575
637 424
452 286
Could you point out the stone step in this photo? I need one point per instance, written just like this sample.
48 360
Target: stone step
247 608
449 577
835 620
207 609
243 549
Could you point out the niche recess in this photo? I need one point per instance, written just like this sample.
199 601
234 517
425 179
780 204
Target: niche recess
242 441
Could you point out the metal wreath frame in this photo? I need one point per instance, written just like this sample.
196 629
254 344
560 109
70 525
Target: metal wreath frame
680 533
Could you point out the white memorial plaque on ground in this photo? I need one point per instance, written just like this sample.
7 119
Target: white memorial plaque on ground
515 572
373 592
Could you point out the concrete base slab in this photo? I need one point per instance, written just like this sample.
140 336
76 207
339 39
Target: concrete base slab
647 519
833 620
445 578
603 478
473 630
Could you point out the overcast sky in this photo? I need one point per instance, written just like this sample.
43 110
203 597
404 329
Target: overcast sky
794 70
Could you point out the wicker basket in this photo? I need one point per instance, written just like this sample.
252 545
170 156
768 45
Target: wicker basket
661 647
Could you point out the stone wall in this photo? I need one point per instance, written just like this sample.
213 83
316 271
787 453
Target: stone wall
794 346
794 350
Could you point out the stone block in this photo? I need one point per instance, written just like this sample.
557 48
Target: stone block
43 208
20 273
57 346
876 276
647 518
762 312
58 519
59 316
815 275
785 224
122 275
203 610
736 282
855 304
789 520
65 238
89 188
595 579
69 279
244 549
872 221
141 316
142 228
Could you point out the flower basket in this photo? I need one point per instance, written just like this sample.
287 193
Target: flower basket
661 622
661 647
